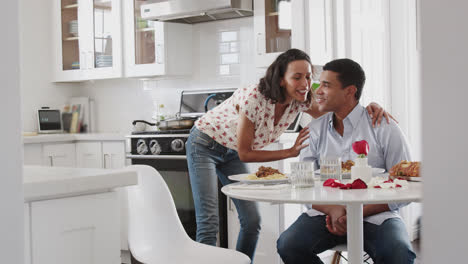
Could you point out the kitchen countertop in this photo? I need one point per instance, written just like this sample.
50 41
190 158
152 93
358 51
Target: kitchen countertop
64 137
44 183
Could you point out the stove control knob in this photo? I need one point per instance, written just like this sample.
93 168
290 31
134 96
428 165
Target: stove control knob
142 148
177 145
155 148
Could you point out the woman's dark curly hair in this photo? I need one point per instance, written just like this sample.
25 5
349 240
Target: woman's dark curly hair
270 84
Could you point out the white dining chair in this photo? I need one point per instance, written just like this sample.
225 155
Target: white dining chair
339 249
155 233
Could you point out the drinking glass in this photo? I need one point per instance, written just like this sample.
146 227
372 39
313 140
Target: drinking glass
330 168
302 174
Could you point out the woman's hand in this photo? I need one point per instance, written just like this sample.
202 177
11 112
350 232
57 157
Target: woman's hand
314 111
245 139
376 112
298 146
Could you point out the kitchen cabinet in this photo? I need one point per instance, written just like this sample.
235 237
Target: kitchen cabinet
33 154
89 155
75 230
58 155
113 154
283 24
278 26
86 40
107 155
154 48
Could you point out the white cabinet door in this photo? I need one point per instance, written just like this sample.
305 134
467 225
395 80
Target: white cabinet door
155 48
76 230
114 158
86 40
113 154
89 155
59 155
278 26
33 154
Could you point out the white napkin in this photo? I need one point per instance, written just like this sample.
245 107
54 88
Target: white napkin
244 186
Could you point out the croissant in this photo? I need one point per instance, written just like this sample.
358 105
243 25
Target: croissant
406 168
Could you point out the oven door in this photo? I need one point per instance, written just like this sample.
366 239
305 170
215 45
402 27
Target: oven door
175 174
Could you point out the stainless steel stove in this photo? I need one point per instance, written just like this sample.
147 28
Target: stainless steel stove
158 144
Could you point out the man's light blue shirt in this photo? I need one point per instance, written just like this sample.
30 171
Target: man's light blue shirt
387 146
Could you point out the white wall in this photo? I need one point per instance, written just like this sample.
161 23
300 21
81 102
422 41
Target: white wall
35 30
11 187
444 96
119 102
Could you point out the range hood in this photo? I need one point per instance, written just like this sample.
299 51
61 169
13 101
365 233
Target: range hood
198 11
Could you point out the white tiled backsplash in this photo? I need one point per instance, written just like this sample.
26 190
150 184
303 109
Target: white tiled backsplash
118 102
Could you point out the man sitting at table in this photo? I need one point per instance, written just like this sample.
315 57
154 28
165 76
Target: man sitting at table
324 226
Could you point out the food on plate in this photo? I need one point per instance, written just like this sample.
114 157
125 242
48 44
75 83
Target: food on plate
266 173
406 168
346 166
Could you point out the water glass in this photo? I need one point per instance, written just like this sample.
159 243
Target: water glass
330 168
302 174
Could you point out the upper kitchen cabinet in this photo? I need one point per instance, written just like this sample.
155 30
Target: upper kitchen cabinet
86 40
278 26
155 48
283 24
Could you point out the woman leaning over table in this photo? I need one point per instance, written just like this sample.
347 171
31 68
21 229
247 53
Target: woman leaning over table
235 131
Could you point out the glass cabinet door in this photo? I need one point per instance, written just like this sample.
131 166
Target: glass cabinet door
102 14
146 47
145 52
70 38
277 25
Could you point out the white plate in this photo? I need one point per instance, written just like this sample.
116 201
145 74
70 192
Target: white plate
375 171
242 178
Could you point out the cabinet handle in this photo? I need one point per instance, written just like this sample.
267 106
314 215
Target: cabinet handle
159 54
260 43
51 159
91 59
105 163
83 57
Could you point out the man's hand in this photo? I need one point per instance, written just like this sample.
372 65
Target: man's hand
333 222
341 223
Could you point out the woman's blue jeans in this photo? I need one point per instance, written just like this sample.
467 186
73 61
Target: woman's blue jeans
386 243
207 161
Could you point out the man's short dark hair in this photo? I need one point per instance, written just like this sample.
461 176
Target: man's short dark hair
349 73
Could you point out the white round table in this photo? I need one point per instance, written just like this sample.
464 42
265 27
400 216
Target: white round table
352 199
